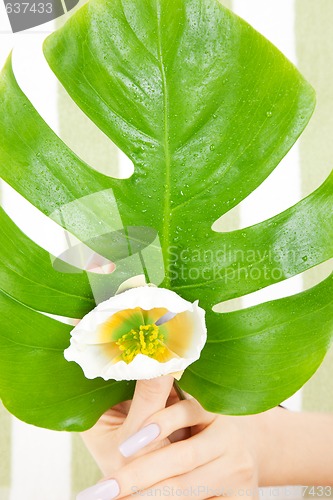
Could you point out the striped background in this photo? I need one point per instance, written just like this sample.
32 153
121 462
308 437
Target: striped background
36 464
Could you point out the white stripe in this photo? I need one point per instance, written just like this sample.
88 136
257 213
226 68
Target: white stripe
39 83
41 459
41 463
32 75
275 20
35 77
125 165
32 222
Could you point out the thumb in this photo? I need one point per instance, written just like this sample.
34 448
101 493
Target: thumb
150 396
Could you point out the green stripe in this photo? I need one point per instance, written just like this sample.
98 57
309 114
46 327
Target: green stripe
5 453
315 61
84 470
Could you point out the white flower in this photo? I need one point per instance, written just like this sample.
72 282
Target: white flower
141 333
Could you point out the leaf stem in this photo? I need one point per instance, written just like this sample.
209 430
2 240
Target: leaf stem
179 391
144 267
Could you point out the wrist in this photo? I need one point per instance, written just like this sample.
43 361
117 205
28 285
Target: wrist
271 447
294 448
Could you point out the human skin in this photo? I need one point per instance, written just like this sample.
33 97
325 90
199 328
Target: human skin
214 454
295 448
188 441
229 454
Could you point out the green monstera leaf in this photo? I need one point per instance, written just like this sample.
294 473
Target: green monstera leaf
205 108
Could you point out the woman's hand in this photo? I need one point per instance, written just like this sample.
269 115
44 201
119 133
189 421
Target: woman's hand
216 460
212 456
103 440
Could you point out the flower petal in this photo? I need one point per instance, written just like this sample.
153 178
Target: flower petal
119 323
94 348
133 282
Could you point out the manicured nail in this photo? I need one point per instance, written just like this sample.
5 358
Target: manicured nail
102 491
139 440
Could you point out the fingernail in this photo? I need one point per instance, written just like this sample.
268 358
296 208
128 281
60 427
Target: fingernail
99 265
139 440
102 491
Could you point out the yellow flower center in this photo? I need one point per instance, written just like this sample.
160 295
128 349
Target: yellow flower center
146 340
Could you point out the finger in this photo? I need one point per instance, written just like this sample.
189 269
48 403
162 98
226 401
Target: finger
172 460
99 264
102 438
149 397
162 424
206 481
218 479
